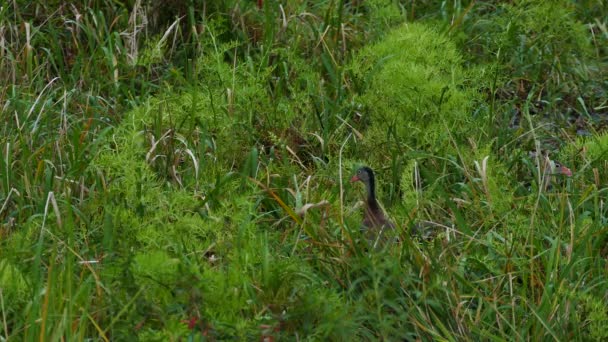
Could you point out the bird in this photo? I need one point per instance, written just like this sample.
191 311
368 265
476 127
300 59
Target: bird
553 168
556 168
550 168
375 221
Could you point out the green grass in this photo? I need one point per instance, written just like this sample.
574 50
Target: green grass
181 171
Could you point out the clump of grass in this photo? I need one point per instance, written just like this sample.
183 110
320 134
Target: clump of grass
544 54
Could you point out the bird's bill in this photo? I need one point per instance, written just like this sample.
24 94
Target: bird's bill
565 171
355 178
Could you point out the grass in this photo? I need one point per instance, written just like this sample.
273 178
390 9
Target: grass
182 172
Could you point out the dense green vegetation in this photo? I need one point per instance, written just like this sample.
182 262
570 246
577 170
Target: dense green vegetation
179 170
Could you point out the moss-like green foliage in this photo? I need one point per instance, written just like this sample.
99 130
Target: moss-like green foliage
153 270
142 207
539 46
13 286
595 308
588 154
384 12
174 329
594 150
543 39
415 94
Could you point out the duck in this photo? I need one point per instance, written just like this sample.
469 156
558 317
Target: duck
374 218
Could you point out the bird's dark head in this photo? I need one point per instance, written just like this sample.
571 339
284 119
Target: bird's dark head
560 169
363 174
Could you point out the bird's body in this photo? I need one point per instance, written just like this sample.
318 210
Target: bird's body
374 220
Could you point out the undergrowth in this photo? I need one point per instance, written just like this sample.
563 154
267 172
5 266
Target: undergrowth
180 171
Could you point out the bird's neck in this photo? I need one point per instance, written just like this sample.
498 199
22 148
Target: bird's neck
372 203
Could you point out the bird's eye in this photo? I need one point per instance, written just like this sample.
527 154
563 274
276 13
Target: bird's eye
558 164
358 172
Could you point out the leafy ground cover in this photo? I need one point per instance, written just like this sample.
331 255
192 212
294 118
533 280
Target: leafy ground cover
179 170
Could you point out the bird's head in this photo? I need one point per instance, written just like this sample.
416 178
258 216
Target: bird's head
363 174
558 169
